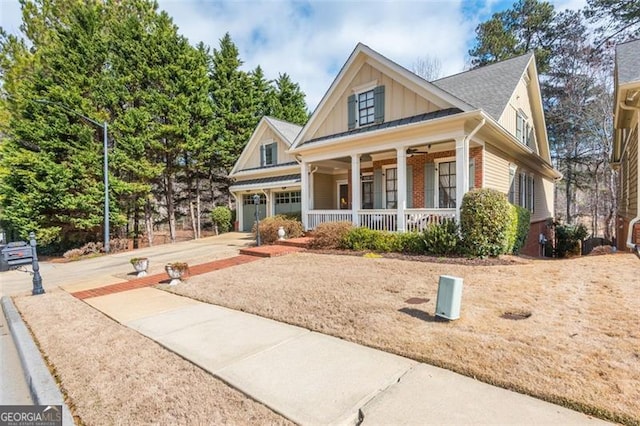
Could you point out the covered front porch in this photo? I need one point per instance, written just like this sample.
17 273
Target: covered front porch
400 188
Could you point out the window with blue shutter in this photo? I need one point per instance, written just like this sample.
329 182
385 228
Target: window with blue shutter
409 187
365 108
351 108
269 154
378 103
430 185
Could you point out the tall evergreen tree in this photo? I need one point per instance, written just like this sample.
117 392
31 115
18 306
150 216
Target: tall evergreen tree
232 114
526 26
289 102
617 19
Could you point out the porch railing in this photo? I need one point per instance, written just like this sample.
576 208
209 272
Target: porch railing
378 220
382 220
419 219
316 217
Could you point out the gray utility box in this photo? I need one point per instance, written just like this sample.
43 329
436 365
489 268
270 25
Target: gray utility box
15 254
449 297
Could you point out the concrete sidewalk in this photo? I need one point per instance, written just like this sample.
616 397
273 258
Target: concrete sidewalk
315 379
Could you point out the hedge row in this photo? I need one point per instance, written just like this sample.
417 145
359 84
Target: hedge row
489 226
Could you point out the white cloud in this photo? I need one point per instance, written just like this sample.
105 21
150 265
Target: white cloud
310 40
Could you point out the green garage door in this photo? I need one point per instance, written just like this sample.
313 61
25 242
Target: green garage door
249 211
288 203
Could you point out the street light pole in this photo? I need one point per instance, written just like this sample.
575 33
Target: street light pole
105 153
105 146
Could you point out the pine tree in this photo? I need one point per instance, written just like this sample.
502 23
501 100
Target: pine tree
289 102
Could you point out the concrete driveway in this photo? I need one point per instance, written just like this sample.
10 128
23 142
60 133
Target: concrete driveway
113 268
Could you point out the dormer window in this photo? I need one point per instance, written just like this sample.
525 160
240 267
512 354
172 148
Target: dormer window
268 154
366 107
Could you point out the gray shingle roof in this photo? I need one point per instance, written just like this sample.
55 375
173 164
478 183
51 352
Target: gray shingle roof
489 87
628 62
272 179
408 120
288 130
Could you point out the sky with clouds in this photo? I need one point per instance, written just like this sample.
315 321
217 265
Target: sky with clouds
311 40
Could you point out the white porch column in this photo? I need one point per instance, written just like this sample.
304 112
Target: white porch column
462 172
402 187
311 190
304 193
355 188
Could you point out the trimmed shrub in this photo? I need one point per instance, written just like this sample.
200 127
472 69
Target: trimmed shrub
442 239
518 228
524 223
269 228
362 238
484 222
330 235
411 242
568 239
221 217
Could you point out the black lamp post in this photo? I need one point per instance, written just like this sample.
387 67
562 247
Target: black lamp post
105 161
256 201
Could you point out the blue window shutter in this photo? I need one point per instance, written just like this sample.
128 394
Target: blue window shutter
378 104
377 189
274 153
261 155
409 187
519 127
472 173
430 185
351 108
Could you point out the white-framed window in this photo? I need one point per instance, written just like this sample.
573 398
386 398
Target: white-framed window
390 187
367 190
269 154
527 191
365 106
524 131
446 178
512 183
366 109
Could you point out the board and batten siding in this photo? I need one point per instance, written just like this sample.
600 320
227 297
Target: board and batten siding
324 191
269 136
400 101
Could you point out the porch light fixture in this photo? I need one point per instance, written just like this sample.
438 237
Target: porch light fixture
256 202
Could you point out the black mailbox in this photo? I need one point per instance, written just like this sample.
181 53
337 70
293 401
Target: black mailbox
16 254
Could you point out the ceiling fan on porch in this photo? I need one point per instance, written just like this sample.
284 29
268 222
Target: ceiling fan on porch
411 151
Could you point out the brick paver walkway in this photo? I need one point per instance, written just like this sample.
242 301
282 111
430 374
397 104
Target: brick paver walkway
247 255
151 280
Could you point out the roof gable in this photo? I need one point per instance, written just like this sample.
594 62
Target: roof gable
489 87
268 129
359 58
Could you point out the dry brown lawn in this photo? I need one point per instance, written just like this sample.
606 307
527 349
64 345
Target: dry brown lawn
113 375
580 347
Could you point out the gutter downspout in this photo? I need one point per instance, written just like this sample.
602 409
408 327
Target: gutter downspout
465 166
633 221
